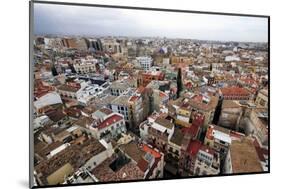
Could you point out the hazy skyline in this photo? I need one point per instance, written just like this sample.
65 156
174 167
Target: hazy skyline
79 20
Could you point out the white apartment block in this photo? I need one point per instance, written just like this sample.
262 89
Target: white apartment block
145 62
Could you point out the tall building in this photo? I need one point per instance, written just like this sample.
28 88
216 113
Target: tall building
145 62
95 44
69 43
112 46
82 44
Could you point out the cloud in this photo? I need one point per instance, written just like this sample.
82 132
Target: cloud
80 20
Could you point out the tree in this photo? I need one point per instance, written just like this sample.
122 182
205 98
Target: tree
179 83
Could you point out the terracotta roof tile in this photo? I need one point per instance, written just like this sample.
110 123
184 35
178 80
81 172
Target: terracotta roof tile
234 91
193 147
109 121
143 165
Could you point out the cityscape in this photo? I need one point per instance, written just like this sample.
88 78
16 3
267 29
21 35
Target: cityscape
111 108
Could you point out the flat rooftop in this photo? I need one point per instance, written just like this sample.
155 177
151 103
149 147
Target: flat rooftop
244 157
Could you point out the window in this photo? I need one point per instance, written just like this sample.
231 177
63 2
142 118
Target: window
222 142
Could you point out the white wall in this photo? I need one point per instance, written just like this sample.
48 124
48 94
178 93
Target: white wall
98 159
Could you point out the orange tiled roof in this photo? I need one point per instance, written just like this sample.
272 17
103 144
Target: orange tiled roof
234 91
146 148
110 120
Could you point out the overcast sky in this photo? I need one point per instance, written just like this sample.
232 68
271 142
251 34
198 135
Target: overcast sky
79 20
